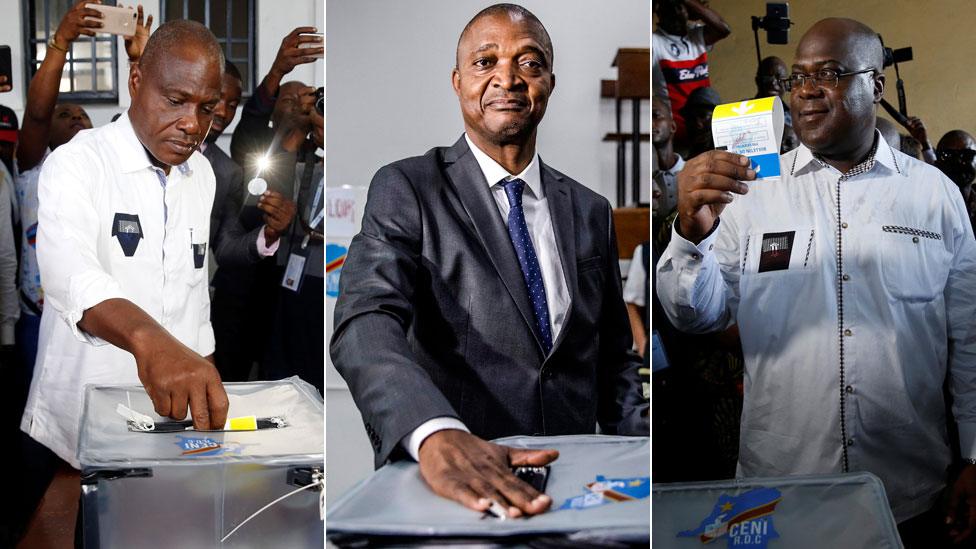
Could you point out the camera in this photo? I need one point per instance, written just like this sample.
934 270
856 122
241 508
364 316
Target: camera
320 101
900 55
776 23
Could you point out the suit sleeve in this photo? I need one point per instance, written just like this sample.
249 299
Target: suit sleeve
374 311
622 408
235 245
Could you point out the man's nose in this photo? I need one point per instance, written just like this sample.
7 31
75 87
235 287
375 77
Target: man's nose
507 75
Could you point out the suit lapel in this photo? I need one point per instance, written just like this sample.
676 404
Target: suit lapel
468 180
560 198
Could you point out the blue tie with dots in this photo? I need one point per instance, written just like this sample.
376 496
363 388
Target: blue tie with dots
528 261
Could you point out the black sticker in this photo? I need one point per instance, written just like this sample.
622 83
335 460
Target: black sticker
775 251
128 230
199 254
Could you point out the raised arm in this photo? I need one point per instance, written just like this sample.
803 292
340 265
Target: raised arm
715 27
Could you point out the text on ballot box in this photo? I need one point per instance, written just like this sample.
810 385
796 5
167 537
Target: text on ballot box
752 128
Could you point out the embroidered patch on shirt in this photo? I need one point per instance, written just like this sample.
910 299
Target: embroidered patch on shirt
127 229
775 251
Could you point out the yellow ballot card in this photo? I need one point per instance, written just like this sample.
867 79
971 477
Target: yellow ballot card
752 128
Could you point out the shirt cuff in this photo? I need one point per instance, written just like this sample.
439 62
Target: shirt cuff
7 333
263 249
684 248
85 290
967 440
416 438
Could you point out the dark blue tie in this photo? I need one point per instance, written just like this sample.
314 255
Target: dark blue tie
528 261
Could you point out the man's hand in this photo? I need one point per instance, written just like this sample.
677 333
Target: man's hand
462 467
290 55
705 186
4 86
76 22
917 130
174 376
278 214
961 515
136 44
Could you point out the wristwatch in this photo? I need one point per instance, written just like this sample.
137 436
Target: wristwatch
969 461
52 43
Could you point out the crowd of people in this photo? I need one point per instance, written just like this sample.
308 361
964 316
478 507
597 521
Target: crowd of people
65 290
805 328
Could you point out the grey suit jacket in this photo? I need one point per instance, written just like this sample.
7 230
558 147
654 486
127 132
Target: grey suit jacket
433 317
230 242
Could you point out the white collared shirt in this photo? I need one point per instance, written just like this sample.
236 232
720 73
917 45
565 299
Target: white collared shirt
858 290
90 191
537 218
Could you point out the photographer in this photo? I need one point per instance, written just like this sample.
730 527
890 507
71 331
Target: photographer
956 157
297 345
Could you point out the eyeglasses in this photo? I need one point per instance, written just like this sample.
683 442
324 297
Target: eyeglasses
824 78
964 155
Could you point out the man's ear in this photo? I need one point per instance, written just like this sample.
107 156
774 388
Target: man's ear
135 80
879 86
552 82
456 81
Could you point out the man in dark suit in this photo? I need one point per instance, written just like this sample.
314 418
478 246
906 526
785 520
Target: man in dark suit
482 297
235 247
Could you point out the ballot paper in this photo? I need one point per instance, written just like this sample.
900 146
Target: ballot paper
752 128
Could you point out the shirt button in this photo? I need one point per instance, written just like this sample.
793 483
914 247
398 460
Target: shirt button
850 441
915 239
849 389
846 277
843 225
848 332
695 256
711 247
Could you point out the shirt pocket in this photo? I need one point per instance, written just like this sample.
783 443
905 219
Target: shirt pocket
198 248
770 253
914 262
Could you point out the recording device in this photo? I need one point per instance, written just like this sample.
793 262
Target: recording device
893 57
536 477
776 23
115 20
5 65
320 101
307 45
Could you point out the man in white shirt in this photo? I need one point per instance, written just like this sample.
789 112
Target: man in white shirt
853 282
123 219
482 297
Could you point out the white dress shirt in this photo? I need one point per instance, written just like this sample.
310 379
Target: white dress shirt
84 185
848 337
539 222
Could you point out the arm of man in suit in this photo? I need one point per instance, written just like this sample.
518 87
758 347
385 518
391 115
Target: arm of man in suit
381 279
622 408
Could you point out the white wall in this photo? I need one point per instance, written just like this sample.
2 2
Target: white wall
390 97
273 23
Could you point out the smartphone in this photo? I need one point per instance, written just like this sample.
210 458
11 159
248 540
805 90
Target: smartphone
5 65
116 20
778 22
308 45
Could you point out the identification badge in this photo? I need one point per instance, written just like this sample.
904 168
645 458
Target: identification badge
776 251
293 272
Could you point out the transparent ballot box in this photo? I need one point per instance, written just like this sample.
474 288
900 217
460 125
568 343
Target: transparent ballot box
600 487
170 487
800 512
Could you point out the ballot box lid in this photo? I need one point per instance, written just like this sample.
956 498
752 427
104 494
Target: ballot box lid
395 501
106 441
799 512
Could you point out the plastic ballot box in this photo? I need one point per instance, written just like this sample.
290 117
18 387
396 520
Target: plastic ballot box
800 512
148 481
600 488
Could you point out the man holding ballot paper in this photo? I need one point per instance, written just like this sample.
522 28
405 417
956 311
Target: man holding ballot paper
852 277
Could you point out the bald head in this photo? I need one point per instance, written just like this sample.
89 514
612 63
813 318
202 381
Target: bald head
180 35
515 13
956 140
861 45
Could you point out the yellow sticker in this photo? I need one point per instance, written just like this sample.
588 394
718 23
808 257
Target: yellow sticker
742 108
246 423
